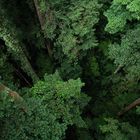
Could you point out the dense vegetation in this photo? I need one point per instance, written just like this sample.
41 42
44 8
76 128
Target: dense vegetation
69 70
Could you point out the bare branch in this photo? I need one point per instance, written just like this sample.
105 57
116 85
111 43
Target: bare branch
11 93
129 107
14 95
118 68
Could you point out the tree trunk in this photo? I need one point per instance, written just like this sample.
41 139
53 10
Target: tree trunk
42 18
129 107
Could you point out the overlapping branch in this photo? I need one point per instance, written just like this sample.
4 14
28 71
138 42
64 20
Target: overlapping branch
14 95
129 107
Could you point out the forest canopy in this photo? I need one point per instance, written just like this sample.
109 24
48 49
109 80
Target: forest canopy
69 69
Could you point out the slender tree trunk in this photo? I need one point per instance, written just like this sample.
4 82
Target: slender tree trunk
129 107
42 18
11 93
9 33
118 68
14 95
26 66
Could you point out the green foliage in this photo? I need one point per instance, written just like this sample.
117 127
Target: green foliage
10 34
95 42
81 18
138 110
6 69
70 26
114 130
126 54
117 17
93 67
52 105
120 12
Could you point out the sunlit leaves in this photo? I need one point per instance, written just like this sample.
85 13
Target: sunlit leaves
120 12
127 53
